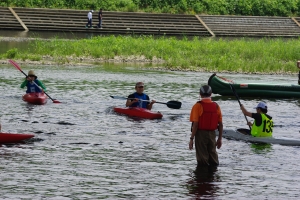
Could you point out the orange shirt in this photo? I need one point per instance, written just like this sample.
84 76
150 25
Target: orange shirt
197 111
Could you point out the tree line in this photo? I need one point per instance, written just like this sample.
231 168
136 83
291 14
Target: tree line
284 8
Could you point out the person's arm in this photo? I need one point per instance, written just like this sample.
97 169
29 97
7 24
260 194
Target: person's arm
40 83
249 114
194 131
220 129
131 100
24 84
149 106
194 118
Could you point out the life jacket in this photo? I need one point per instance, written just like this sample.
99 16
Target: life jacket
32 88
140 104
209 119
265 129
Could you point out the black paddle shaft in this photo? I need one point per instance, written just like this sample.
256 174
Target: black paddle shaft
170 104
237 97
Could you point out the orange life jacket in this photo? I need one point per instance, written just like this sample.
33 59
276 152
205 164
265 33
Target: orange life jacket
209 119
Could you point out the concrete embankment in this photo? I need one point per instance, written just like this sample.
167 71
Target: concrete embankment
122 23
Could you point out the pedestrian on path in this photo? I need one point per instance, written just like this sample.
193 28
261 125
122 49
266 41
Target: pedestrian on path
100 18
90 16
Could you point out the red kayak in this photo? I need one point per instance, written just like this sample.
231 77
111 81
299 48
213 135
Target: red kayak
139 112
35 98
13 137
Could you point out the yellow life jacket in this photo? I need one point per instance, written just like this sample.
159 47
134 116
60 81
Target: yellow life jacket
265 129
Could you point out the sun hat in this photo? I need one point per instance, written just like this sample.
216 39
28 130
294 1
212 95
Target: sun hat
205 90
31 73
138 84
262 105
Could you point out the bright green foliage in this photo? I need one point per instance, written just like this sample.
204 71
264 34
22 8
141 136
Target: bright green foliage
239 55
212 7
11 53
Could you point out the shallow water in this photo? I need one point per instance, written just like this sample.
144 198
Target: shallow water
83 150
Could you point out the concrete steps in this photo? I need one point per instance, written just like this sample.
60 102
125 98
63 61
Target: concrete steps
244 26
113 22
36 19
8 21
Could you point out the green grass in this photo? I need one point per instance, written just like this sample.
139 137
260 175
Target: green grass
232 55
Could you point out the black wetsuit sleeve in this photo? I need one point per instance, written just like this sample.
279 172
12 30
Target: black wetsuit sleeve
131 97
258 118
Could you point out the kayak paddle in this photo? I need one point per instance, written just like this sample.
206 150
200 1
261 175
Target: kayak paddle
19 68
237 97
170 104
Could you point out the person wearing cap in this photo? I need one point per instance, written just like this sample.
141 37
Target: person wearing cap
206 117
31 87
263 123
139 98
90 17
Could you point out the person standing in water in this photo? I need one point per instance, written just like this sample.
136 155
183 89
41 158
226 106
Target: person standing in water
206 117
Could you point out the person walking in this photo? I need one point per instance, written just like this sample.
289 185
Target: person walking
31 87
100 18
139 98
90 17
263 123
298 65
206 117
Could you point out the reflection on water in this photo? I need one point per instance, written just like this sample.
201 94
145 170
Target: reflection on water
20 39
203 182
261 148
46 34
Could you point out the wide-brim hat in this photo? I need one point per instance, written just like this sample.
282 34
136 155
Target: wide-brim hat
31 73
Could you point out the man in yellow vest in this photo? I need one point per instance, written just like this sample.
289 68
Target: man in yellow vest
263 124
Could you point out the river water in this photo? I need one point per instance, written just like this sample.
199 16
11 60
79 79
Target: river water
83 150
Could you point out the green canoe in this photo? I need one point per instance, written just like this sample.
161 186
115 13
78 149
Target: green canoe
221 86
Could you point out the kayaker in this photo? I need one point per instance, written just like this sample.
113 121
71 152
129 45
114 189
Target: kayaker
206 117
139 98
31 87
263 123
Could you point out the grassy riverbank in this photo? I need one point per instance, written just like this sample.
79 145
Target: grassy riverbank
199 54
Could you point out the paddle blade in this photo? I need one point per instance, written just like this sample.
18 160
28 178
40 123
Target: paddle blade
174 104
56 101
15 64
118 97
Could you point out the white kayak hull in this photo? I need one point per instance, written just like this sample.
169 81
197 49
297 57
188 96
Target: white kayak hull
236 135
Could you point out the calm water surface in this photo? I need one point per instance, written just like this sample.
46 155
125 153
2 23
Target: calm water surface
83 150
